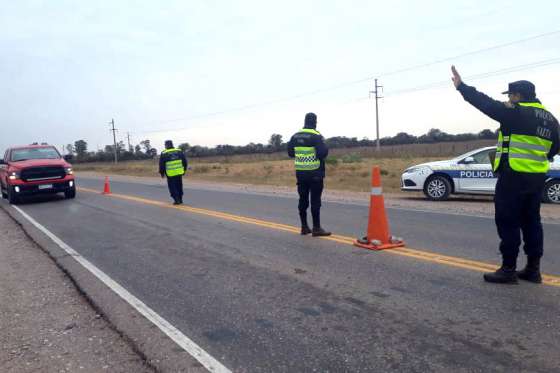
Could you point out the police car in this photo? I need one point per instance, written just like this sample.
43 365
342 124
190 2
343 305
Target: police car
470 173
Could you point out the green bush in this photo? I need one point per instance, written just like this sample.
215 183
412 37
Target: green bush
351 158
331 161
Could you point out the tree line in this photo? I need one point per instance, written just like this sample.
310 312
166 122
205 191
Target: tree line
78 152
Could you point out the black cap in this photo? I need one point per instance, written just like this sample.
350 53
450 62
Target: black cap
526 88
310 120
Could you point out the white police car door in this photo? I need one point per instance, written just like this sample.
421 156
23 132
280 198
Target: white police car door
476 174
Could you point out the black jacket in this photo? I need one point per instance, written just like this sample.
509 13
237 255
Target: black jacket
321 152
171 156
518 119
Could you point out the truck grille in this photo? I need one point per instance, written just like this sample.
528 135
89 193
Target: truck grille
43 173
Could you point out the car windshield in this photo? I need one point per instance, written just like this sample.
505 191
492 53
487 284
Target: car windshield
470 154
34 153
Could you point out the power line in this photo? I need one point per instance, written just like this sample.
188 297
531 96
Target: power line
433 85
485 75
348 83
488 49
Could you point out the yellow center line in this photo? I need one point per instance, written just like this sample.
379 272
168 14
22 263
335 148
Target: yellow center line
403 251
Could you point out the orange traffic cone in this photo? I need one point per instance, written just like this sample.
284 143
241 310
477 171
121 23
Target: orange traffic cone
378 237
106 188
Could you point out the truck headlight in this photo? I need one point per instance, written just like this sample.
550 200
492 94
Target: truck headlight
69 171
13 176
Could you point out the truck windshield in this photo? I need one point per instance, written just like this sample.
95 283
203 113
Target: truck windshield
34 153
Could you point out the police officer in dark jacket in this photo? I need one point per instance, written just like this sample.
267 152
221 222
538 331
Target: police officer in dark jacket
173 164
527 142
309 150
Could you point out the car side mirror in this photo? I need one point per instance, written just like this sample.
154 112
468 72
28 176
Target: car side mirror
68 157
468 160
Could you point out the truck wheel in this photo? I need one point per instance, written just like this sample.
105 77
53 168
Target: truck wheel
437 188
12 197
69 194
552 192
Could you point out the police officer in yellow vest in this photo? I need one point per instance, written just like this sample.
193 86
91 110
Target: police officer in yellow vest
309 150
527 142
173 164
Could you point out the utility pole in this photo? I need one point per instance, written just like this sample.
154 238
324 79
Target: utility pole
377 97
128 137
114 130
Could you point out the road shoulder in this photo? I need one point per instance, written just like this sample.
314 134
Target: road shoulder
47 325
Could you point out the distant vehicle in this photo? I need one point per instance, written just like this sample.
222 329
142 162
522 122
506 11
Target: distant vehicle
470 173
35 169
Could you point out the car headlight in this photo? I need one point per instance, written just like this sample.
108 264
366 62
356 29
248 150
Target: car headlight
13 176
69 171
413 170
417 170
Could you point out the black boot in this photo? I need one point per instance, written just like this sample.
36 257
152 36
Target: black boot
532 271
504 275
303 219
176 201
320 232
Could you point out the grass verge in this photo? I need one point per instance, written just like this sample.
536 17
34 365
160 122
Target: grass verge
350 172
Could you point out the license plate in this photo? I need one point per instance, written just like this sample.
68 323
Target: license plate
45 186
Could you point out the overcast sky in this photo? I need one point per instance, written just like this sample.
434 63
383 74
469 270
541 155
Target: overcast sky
179 70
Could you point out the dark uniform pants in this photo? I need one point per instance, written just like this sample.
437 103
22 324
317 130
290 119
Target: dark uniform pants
517 211
175 185
312 186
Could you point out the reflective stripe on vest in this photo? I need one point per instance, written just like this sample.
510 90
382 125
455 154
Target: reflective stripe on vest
532 104
309 130
306 156
526 153
175 167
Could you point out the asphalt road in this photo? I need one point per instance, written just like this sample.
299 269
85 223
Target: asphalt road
261 299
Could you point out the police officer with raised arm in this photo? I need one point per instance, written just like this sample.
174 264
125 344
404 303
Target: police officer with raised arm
527 142
308 149
173 164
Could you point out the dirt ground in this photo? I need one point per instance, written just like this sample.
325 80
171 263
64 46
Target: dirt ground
45 324
350 172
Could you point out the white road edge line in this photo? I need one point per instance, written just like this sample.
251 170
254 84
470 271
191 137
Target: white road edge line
175 334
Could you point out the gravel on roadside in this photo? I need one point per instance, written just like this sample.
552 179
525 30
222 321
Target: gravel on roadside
46 325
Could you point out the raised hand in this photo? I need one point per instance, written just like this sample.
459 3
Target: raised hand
456 77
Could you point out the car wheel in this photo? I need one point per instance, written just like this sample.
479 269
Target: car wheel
437 188
4 194
70 194
552 192
12 197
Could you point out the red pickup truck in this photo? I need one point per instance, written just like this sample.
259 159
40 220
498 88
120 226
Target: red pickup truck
35 169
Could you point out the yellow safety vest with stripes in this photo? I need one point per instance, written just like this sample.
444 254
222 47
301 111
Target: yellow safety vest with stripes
173 167
306 156
526 153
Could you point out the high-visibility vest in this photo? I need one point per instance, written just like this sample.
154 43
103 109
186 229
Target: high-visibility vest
526 153
306 156
173 167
